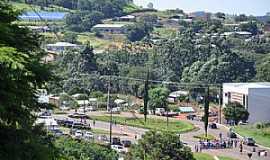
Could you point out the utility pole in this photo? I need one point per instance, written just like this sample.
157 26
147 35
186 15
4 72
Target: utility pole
206 110
220 103
145 98
109 107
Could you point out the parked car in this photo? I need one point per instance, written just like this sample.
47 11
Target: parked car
249 141
78 134
126 143
103 138
88 135
78 115
116 141
232 135
118 148
90 109
160 111
191 116
57 132
213 125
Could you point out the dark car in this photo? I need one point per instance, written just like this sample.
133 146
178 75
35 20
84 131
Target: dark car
249 141
126 143
232 135
213 126
68 123
116 141
191 116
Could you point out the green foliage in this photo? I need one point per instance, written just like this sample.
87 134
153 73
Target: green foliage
68 101
22 73
158 98
263 69
235 112
159 145
174 126
70 149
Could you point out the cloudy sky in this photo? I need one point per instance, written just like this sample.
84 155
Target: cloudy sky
249 7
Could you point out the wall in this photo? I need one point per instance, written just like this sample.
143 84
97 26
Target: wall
259 105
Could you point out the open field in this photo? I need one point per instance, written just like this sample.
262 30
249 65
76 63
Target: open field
203 137
175 126
261 136
204 156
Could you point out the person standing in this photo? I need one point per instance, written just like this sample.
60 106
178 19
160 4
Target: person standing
241 148
94 122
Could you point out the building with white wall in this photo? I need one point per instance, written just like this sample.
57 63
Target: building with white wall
255 97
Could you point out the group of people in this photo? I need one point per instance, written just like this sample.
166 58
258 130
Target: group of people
218 144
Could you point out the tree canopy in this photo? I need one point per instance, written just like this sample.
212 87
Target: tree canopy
22 73
159 145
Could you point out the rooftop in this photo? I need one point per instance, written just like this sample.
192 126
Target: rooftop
109 25
62 44
248 85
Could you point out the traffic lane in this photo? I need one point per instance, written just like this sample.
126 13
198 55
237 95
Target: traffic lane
131 132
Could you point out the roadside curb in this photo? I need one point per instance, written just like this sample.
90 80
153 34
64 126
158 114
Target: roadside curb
226 127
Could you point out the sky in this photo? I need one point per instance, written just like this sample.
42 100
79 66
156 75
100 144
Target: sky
248 7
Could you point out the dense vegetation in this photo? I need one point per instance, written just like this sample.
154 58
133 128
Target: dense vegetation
160 145
22 73
70 149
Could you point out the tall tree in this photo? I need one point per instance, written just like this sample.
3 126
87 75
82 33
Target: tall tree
145 97
158 98
22 73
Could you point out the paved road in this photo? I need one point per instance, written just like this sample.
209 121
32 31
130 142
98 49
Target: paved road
129 133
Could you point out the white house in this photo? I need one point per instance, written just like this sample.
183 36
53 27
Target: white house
255 97
62 46
176 94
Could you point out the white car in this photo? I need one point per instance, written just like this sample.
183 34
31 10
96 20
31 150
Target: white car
90 109
118 148
81 110
88 135
78 134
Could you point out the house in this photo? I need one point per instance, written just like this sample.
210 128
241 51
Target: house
255 97
111 28
62 46
173 96
120 103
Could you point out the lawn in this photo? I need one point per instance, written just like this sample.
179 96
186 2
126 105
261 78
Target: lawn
203 156
261 136
165 32
175 126
99 43
203 137
225 158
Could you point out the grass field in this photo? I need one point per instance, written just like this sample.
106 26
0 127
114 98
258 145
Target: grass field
203 137
175 126
225 158
203 156
261 136
99 43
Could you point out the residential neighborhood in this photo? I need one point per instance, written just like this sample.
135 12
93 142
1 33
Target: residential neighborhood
134 80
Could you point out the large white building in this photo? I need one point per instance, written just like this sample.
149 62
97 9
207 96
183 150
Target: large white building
255 97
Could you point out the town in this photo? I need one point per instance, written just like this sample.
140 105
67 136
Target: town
114 80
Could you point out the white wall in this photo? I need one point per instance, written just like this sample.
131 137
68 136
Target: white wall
259 105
